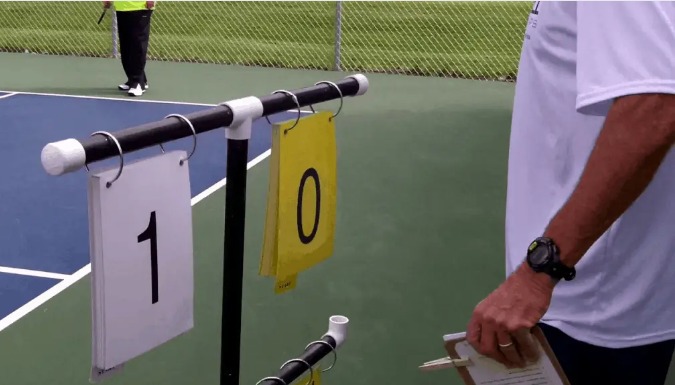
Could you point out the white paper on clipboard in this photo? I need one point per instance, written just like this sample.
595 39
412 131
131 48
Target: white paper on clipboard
485 371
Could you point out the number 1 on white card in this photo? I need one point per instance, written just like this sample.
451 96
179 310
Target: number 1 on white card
150 233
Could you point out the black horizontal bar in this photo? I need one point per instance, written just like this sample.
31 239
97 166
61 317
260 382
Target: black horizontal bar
293 370
131 139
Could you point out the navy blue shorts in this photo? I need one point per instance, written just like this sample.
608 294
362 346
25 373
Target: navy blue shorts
586 364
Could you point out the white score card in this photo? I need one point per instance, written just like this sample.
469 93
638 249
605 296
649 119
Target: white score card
141 259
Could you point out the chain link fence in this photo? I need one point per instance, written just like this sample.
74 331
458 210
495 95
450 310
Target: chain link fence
471 39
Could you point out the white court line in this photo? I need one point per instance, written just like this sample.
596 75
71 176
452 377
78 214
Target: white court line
42 298
120 99
221 183
71 279
107 98
32 273
8 95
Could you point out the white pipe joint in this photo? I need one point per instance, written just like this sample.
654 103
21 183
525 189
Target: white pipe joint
363 83
62 157
244 111
337 329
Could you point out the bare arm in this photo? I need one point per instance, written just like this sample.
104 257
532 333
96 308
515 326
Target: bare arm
638 133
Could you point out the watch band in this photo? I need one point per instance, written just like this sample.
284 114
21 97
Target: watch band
554 267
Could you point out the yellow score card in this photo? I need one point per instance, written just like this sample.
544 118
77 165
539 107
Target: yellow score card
302 198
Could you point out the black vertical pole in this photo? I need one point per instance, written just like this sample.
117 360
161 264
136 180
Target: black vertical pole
233 260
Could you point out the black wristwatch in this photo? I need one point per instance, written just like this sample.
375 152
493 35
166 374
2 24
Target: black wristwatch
543 256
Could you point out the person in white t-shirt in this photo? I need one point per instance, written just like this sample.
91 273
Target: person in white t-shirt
590 211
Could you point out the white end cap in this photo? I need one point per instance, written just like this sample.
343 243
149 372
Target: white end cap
363 83
244 111
63 157
337 328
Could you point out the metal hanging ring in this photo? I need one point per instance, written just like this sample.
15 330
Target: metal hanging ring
311 370
194 135
119 148
339 92
331 348
297 103
271 378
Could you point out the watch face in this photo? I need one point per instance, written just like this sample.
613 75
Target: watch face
539 256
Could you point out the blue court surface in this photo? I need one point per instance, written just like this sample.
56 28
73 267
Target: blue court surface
44 219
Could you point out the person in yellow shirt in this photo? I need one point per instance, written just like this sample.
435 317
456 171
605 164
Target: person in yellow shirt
133 25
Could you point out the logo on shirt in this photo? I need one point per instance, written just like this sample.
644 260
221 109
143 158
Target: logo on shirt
532 20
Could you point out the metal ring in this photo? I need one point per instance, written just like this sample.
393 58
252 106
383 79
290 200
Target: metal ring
119 148
506 345
271 378
311 370
331 348
339 92
194 135
297 103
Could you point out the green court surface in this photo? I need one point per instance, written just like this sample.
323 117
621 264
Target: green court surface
419 239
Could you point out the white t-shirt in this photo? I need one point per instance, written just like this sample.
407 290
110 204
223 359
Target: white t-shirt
576 58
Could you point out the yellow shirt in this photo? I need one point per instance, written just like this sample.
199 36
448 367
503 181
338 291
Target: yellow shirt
124 6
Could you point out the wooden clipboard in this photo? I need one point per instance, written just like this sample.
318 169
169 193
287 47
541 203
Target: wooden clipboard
476 369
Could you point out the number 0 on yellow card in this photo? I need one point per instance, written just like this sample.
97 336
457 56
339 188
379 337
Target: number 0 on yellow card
304 169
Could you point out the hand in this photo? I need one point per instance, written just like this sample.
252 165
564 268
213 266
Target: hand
106 4
508 314
149 4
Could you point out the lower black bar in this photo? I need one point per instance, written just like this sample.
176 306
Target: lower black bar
294 370
233 260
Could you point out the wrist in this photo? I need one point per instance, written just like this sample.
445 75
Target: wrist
541 280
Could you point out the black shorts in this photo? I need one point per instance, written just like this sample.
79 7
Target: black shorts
586 364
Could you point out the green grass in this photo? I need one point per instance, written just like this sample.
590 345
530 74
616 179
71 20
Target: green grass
457 39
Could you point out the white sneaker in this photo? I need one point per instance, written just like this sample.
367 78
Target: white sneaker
125 87
136 91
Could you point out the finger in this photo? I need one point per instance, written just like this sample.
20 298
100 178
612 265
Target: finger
488 344
527 345
509 349
473 330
